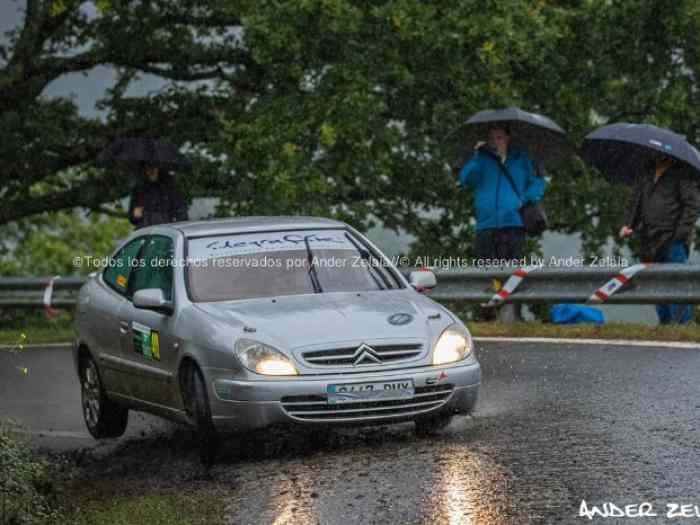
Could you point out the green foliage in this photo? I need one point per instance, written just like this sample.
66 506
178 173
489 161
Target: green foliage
62 243
27 494
364 98
42 138
346 108
48 244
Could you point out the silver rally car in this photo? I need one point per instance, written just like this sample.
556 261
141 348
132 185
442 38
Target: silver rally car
243 323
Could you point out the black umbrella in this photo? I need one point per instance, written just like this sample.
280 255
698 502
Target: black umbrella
135 152
622 151
542 138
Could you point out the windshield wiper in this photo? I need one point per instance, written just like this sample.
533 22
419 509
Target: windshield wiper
312 267
367 256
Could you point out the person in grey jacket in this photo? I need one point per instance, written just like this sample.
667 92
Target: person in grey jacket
156 200
664 209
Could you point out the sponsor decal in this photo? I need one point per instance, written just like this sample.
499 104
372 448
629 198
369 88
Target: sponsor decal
245 244
146 341
121 281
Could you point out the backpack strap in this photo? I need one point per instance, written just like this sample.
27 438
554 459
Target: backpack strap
505 171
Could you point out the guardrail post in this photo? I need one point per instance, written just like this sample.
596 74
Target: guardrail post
509 313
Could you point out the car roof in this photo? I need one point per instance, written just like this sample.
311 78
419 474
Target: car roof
253 224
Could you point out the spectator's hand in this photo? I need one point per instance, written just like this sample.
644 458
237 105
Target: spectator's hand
479 144
625 231
138 212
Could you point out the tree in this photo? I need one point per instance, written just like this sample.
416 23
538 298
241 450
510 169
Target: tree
62 243
368 94
341 107
41 139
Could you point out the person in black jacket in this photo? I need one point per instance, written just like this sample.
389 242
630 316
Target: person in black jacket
665 207
156 200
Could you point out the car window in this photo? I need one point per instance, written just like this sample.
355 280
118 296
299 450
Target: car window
268 264
116 275
155 268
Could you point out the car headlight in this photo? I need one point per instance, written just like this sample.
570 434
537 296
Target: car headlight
263 359
453 345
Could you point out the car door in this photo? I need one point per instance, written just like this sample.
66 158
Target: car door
104 320
148 342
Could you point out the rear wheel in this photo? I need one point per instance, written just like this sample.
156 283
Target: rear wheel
432 424
103 417
197 406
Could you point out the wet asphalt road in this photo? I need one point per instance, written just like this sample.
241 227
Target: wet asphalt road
555 425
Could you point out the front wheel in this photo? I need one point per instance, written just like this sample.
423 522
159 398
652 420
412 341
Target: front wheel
197 406
432 424
103 417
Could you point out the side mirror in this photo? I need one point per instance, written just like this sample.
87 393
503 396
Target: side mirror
422 280
152 299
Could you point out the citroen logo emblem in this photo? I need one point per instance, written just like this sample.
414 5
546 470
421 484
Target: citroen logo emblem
364 354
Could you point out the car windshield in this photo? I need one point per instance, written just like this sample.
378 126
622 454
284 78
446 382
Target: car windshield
253 265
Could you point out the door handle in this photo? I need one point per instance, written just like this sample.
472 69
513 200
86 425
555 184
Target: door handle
124 327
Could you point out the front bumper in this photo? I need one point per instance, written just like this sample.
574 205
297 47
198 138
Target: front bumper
248 405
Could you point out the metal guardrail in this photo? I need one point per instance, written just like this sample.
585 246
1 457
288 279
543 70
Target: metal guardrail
28 292
662 283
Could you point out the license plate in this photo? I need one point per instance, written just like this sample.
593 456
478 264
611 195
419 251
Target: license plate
378 390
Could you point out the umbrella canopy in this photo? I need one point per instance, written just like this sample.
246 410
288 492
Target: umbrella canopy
622 151
135 152
542 138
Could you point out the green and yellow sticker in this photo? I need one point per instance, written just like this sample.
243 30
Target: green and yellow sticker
146 341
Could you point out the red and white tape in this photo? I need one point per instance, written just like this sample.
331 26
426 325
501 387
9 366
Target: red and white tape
511 284
48 292
613 285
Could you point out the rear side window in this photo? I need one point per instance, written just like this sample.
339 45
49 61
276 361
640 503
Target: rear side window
116 275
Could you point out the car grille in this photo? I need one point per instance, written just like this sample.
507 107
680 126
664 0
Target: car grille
347 356
317 408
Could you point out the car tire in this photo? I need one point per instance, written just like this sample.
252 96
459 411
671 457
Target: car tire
432 424
103 417
199 413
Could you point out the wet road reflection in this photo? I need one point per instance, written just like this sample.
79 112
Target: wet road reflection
468 490
380 477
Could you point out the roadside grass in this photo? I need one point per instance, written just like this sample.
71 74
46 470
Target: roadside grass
689 333
37 335
27 490
109 502
36 490
23 328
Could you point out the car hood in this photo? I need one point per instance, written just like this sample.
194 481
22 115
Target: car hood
301 320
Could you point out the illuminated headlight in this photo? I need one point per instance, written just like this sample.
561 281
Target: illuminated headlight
453 345
263 359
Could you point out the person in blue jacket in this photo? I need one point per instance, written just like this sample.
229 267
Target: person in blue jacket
499 229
